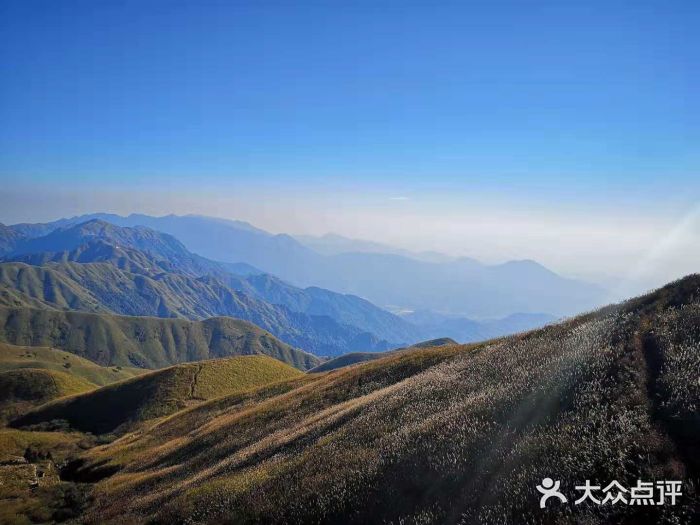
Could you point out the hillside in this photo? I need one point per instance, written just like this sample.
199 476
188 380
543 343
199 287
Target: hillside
161 393
104 288
51 359
145 342
27 387
455 434
347 360
360 357
31 376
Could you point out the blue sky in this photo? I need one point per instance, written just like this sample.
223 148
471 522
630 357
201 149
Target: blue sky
523 105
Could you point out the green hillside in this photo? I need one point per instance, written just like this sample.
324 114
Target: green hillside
23 285
31 376
453 434
36 357
161 393
27 387
102 287
144 342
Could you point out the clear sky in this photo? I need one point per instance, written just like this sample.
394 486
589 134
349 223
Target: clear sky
562 131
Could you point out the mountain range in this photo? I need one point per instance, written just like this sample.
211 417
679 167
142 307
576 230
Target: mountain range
143 342
463 286
97 266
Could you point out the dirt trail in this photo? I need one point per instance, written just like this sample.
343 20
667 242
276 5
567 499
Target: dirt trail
193 384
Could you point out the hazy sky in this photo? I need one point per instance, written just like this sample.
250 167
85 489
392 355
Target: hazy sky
566 132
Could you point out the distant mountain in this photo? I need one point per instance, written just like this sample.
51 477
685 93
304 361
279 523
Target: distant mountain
333 244
151 273
141 250
346 309
144 342
462 286
104 288
138 249
468 330
9 238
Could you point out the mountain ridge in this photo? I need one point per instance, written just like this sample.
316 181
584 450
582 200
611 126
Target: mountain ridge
471 290
143 342
318 320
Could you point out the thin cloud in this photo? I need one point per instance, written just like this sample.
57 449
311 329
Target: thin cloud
399 198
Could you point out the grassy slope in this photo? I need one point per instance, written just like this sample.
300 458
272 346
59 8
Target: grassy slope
22 389
17 357
360 357
161 392
143 341
23 285
32 376
443 435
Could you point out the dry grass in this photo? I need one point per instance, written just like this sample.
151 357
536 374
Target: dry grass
160 393
457 434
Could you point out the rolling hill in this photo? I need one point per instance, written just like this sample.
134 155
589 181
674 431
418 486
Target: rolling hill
145 342
28 387
161 393
51 359
454 434
31 376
